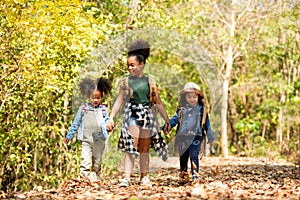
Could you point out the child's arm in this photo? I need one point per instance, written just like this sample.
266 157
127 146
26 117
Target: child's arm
173 120
209 132
75 125
106 117
162 111
110 124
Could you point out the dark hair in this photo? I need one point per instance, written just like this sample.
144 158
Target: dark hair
104 85
140 49
87 86
183 102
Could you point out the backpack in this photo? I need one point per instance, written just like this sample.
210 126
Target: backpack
128 93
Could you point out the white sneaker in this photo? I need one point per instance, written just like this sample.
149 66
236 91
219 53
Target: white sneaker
125 182
93 177
195 178
146 182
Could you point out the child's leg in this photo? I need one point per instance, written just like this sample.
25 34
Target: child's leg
129 158
183 175
144 145
184 158
128 164
183 147
98 148
86 156
194 152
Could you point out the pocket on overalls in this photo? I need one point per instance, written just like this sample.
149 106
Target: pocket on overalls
196 142
97 136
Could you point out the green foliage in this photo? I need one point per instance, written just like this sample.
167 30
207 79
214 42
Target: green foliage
46 46
42 46
245 125
264 148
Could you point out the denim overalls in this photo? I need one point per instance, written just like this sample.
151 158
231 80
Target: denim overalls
93 142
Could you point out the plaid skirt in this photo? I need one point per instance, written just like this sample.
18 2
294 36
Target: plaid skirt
126 143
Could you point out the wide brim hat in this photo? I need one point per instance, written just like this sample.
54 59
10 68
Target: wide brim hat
191 87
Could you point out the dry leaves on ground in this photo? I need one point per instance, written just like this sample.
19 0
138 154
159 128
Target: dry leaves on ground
230 178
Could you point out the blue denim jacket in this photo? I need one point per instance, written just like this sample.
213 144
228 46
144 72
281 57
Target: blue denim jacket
78 122
184 120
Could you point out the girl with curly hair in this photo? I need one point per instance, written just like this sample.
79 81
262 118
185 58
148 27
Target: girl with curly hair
138 93
90 121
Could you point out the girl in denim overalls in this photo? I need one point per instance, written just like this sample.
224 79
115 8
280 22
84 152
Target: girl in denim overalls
191 130
90 121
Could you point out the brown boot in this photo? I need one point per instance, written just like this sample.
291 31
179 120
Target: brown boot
183 177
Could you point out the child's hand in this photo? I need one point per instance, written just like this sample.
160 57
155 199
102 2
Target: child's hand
66 141
167 128
110 125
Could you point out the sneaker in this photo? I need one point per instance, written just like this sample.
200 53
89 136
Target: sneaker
93 177
146 182
125 182
195 178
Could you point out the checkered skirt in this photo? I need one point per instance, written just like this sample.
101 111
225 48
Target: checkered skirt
157 142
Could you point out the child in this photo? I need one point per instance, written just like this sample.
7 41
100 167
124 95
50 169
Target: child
90 121
139 129
191 129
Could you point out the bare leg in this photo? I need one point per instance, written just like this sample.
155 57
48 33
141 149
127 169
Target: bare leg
129 158
144 145
128 164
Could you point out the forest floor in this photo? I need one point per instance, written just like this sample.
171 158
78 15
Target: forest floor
230 178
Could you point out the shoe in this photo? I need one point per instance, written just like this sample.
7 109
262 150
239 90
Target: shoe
183 177
146 182
195 178
125 182
93 177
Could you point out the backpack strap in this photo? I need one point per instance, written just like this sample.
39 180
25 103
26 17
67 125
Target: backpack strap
126 90
179 113
152 94
84 109
128 93
203 120
205 111
103 106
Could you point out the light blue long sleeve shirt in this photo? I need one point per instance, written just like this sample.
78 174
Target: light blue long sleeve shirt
78 122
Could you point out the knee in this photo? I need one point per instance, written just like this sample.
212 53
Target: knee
144 149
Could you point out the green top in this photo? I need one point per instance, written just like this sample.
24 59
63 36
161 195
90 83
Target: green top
141 89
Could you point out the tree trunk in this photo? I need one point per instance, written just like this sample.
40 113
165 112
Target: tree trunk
224 138
133 12
226 79
280 127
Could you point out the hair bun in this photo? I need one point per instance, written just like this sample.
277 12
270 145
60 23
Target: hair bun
140 47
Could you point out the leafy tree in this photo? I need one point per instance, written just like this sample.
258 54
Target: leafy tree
43 43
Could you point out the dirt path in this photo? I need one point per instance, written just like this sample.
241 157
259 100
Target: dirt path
231 178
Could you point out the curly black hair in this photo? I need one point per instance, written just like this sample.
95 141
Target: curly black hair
139 48
87 86
104 85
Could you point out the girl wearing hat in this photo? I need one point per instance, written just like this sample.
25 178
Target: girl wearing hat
193 126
